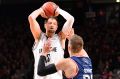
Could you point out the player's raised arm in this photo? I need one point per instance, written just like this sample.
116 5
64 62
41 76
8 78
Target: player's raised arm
34 26
69 20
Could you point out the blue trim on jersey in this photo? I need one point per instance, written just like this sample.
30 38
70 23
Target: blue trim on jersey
85 67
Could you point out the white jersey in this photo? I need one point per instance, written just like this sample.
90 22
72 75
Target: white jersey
53 57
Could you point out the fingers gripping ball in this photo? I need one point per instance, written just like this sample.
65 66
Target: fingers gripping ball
49 8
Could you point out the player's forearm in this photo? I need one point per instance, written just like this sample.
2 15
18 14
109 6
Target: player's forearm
69 21
66 15
35 13
45 70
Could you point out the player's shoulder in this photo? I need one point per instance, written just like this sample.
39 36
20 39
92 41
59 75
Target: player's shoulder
68 61
42 36
63 61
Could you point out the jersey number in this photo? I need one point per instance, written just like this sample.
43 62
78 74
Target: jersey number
87 76
47 58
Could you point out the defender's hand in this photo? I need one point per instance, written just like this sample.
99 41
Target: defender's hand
47 47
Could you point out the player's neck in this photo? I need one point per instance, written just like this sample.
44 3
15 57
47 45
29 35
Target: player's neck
82 53
74 54
49 35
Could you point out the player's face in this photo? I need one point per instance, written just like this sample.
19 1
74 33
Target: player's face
51 25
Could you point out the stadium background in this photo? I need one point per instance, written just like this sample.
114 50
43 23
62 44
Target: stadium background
97 21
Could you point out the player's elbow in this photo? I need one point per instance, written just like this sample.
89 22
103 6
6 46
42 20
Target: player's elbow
41 73
30 17
71 19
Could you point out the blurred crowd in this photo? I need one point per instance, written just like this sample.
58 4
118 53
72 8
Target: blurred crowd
15 45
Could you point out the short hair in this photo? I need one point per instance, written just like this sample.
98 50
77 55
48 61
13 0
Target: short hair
52 17
76 43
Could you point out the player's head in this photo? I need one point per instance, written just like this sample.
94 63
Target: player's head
51 24
75 44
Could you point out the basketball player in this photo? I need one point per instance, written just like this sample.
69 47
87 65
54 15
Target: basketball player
78 66
57 40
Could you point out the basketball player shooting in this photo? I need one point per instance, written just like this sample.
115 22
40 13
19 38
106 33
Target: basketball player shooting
49 10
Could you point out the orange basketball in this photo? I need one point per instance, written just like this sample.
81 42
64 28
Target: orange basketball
49 8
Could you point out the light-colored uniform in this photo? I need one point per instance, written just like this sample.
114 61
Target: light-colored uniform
53 57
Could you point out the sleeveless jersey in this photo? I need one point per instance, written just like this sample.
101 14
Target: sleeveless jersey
84 67
53 57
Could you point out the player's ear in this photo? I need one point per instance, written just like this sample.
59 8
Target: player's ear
45 25
69 47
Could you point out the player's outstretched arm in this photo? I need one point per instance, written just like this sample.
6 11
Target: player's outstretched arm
69 20
51 68
42 69
45 70
63 65
34 26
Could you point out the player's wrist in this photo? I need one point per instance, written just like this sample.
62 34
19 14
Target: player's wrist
59 10
40 10
44 53
56 11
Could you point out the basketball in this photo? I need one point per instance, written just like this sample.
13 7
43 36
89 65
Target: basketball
49 8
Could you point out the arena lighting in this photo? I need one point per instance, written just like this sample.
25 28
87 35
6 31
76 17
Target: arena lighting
117 0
